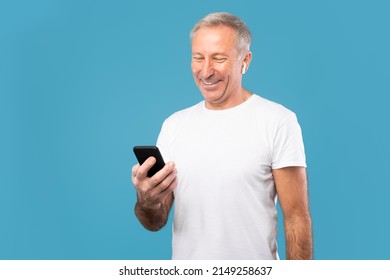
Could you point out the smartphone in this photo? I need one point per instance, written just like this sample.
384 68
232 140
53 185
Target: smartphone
142 153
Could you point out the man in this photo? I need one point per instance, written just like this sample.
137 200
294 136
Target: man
229 156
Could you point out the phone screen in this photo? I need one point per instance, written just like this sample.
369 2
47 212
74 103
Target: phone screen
142 153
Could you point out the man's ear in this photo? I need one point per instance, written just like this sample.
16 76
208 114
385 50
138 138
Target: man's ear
246 62
243 68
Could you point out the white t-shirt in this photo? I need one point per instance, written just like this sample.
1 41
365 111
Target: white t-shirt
224 205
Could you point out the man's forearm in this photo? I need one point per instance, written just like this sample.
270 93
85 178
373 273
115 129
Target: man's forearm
151 218
299 240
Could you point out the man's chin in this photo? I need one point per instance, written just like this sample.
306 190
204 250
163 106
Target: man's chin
213 101
211 97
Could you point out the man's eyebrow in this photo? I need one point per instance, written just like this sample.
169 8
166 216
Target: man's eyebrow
221 54
214 54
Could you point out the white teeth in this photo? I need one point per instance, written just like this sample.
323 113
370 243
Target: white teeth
210 84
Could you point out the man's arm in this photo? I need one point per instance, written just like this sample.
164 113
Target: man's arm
154 195
291 187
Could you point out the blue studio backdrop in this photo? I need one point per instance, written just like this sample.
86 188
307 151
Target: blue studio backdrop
82 82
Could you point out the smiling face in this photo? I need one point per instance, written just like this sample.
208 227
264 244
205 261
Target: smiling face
217 68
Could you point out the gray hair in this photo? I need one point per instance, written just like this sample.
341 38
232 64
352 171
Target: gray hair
243 35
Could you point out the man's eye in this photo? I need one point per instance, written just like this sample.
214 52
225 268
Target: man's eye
219 60
197 58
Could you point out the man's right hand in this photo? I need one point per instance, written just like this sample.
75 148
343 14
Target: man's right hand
154 194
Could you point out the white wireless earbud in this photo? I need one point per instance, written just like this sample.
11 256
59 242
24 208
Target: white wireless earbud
244 68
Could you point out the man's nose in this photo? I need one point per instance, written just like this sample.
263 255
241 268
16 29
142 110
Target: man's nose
207 69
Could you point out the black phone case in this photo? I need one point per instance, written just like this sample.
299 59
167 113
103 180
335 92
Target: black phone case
142 153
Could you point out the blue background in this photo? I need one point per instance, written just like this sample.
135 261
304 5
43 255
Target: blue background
82 82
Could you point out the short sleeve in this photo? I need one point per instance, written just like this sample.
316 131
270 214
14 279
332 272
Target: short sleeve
163 141
288 149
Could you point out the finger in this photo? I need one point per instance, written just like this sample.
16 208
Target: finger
142 171
161 192
163 173
170 188
166 183
134 170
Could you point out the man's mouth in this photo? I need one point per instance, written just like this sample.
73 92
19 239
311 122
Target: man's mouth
210 83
